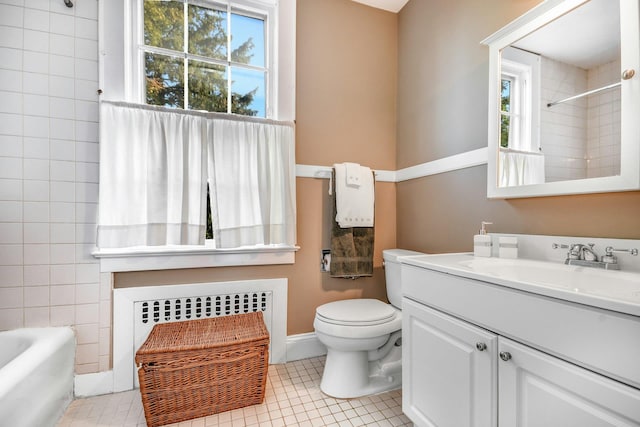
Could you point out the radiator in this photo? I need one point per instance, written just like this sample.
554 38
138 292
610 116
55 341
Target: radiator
137 310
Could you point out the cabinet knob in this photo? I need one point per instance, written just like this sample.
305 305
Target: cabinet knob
481 346
627 74
505 355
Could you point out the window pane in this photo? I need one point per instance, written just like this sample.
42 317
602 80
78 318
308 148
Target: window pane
207 87
207 32
164 80
247 41
164 24
248 92
506 95
505 123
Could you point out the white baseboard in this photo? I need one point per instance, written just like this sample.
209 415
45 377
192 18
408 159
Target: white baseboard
86 385
301 346
304 346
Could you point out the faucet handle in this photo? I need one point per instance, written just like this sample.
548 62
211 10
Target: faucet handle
556 246
609 250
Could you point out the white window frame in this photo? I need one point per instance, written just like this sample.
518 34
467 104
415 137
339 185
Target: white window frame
117 68
258 9
523 69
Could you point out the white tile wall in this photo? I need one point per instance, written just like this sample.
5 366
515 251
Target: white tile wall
49 174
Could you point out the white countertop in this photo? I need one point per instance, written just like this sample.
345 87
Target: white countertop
612 290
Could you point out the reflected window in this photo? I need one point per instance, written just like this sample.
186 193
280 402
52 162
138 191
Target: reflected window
205 56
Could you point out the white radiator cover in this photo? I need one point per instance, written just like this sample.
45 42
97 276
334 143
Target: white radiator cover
137 310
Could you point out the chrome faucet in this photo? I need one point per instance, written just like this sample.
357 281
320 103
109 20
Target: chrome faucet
582 252
586 256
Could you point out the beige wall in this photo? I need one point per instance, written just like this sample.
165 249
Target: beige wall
442 110
346 92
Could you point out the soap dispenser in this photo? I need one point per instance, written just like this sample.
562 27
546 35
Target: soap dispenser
482 241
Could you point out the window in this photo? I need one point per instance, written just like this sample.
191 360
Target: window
203 55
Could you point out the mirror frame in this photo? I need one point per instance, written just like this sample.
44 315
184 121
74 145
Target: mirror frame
545 12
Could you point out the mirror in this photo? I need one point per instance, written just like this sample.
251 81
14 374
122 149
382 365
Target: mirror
560 106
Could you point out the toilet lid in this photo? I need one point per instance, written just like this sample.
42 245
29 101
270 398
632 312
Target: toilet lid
358 312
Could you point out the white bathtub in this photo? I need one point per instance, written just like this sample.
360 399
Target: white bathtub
36 375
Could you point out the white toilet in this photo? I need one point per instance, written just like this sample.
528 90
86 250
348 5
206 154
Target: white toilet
363 338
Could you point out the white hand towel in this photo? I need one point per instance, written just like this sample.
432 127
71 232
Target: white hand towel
354 205
352 172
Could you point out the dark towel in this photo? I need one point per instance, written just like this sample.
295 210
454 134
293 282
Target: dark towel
351 248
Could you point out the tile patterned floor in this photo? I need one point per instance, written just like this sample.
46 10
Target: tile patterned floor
293 398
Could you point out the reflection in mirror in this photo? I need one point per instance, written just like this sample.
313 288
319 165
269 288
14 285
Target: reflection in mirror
560 112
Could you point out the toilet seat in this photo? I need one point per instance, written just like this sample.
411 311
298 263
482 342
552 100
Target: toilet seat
356 312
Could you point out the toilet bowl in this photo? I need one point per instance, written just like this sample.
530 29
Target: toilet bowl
363 339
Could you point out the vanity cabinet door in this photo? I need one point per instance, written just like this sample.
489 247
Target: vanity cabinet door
538 390
449 370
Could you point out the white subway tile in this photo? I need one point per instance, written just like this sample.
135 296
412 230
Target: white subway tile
37 169
88 293
88 132
61 24
87 172
63 233
11 233
63 212
87 90
11 15
36 232
63 274
61 65
11 255
38 4
36 126
11 276
11 145
36 254
86 49
61 45
10 80
87 313
36 41
36 148
63 315
87 152
62 129
36 62
36 211
86 233
11 124
62 295
62 170
11 318
36 317
63 253
104 341
11 211
36 296
86 334
62 149
36 275
36 105
11 298
11 102
11 167
83 253
86 213
86 69
86 28
62 191
88 273
87 9
62 87
86 192
11 189
36 83
35 19
10 58
105 314
87 111
63 108
11 37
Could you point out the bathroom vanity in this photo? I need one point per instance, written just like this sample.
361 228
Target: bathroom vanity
504 342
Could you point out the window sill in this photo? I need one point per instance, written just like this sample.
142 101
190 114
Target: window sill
173 257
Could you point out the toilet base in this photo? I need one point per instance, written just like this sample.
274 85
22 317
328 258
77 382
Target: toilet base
349 374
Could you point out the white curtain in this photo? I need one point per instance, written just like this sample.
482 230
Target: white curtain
252 183
152 177
519 168
155 164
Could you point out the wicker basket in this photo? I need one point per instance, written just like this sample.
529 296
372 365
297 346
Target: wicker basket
201 367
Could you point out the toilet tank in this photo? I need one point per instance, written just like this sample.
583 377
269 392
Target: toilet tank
392 273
